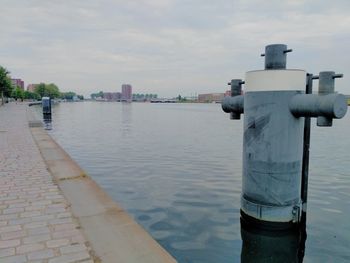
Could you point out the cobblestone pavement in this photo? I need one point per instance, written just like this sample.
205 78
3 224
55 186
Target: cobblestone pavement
36 224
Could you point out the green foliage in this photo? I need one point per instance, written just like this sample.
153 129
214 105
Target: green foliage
47 90
96 95
31 95
40 90
137 96
17 93
53 91
68 95
5 83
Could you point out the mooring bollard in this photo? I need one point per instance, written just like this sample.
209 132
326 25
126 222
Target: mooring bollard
47 114
46 105
274 105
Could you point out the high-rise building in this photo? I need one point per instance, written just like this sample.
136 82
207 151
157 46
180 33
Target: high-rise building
126 92
18 83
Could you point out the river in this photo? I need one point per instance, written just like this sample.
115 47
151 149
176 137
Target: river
176 168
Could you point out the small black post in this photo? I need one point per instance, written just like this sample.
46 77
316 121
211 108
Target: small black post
306 153
236 90
305 172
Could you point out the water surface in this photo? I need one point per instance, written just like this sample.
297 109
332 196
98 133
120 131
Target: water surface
176 168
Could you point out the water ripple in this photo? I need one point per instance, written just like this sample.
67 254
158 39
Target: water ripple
177 170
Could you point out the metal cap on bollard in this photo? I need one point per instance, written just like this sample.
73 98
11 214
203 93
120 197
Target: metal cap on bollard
276 56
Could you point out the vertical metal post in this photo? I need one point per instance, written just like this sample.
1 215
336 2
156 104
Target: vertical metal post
305 172
276 56
306 153
236 90
326 86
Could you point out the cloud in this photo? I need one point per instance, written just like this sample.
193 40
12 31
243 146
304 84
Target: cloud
167 46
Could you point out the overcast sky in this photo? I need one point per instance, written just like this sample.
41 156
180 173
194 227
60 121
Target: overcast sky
168 47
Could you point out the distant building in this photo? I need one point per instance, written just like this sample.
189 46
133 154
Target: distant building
112 96
18 83
228 93
107 95
116 96
211 97
31 87
126 93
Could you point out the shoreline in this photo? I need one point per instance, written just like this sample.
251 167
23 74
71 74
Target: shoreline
113 234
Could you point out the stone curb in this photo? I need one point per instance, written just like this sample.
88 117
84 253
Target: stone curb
113 235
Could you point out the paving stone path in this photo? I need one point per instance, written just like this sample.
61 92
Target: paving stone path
36 224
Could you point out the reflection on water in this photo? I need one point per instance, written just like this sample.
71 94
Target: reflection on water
47 118
268 246
176 169
126 116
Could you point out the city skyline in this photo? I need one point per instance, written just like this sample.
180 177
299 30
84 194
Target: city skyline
168 47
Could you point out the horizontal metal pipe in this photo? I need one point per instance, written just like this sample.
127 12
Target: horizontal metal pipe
233 104
312 105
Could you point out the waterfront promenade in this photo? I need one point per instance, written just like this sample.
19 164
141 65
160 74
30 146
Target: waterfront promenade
51 211
36 224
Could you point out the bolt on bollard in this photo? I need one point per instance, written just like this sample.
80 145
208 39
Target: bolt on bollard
275 106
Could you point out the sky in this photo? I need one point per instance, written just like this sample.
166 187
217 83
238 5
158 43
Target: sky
168 47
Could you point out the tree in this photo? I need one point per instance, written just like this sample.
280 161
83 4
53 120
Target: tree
52 91
30 95
68 95
40 90
5 83
97 95
47 90
17 93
